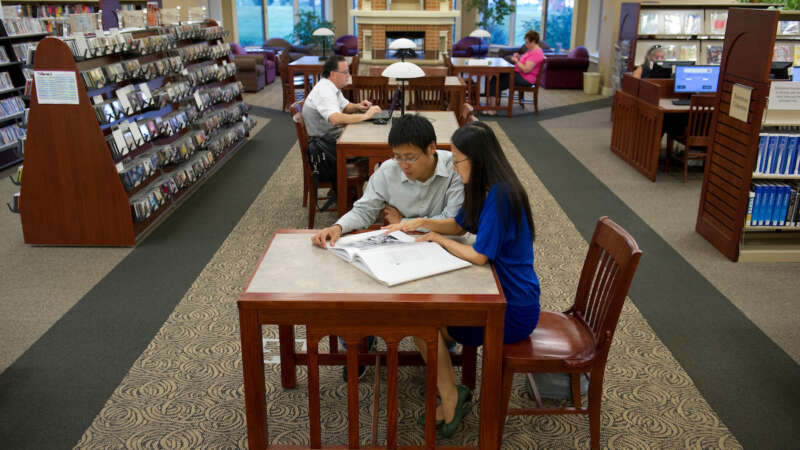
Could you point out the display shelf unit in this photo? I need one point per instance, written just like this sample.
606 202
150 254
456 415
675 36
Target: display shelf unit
749 41
11 154
643 33
72 191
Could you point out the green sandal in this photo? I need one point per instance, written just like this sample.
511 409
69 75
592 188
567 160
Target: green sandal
449 429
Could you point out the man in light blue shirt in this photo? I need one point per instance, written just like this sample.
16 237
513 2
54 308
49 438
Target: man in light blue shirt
418 182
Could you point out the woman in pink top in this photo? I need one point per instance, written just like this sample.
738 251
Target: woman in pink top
526 67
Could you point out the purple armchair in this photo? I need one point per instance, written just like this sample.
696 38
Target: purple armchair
295 51
470 47
265 58
346 45
566 72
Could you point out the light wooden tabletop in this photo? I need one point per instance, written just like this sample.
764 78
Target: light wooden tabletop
493 62
666 103
444 124
314 61
285 269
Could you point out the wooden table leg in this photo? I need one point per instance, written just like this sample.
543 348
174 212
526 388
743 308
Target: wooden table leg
291 85
341 183
286 339
490 384
253 371
511 84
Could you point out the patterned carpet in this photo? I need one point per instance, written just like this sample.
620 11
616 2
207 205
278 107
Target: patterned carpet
185 391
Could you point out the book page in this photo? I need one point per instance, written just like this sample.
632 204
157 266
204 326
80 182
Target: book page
398 264
349 246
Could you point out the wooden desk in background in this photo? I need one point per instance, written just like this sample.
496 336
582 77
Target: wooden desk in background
283 292
483 74
372 141
638 116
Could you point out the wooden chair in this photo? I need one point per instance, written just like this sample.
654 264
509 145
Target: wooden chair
427 94
289 95
577 341
697 134
374 89
355 175
521 90
354 66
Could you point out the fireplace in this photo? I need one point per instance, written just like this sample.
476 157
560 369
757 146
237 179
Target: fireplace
417 37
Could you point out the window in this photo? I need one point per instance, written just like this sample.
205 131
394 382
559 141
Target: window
500 31
551 18
558 27
593 20
280 18
528 17
250 17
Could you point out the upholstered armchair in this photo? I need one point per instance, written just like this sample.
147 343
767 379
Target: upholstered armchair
295 51
470 47
266 57
566 72
346 45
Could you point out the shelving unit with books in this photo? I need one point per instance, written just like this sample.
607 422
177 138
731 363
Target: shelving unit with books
749 200
18 38
165 113
693 32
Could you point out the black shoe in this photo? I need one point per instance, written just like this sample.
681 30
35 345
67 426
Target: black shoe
361 369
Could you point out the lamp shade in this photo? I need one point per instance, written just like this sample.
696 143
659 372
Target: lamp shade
480 33
402 44
323 32
403 70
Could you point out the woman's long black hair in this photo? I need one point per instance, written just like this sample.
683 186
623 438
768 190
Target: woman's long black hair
489 167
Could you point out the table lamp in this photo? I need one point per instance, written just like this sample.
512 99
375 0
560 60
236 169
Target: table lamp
481 33
403 46
403 71
324 32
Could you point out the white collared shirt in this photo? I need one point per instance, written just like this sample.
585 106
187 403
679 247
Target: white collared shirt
438 197
323 100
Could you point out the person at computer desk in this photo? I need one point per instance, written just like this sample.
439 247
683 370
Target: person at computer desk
496 209
526 67
326 112
656 53
419 181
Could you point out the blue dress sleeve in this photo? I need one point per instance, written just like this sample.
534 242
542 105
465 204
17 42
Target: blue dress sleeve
459 218
495 225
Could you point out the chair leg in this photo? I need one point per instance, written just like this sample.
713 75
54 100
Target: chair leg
685 164
575 384
505 391
536 101
312 205
305 190
595 399
469 357
670 142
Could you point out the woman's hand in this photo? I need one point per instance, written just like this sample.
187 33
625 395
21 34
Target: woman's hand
431 237
408 225
515 57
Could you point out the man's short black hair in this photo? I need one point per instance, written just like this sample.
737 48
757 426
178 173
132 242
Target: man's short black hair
331 65
412 129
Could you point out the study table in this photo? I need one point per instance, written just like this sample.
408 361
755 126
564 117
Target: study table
483 74
337 297
369 140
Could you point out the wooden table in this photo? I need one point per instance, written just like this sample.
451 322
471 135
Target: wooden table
284 292
483 74
311 67
372 141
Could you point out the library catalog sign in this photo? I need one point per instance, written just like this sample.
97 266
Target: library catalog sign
56 87
784 95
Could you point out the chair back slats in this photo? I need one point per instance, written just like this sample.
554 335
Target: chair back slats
701 112
374 89
427 94
354 66
606 277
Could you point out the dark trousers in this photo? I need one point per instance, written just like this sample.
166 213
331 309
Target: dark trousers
518 81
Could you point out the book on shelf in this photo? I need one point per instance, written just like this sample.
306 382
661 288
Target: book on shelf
773 204
717 22
395 258
782 53
23 25
714 54
778 154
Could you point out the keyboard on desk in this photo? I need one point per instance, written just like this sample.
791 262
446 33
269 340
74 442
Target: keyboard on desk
682 101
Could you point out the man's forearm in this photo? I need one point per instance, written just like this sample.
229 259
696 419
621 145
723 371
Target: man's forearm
344 119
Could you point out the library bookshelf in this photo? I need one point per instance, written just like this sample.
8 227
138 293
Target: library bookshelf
72 193
748 50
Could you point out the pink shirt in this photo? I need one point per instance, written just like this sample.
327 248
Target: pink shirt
537 56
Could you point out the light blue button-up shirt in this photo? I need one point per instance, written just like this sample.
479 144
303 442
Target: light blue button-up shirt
438 197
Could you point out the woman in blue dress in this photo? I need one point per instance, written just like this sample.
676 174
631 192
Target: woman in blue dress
497 211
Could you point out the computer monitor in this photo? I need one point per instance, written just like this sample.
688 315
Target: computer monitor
696 79
779 70
796 73
660 71
676 63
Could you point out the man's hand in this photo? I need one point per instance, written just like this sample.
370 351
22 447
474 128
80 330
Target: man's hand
392 215
374 109
364 105
331 233
408 225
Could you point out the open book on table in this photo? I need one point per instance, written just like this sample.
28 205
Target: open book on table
395 258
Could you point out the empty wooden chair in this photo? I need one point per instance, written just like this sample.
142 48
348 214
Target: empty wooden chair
696 139
374 89
577 341
427 94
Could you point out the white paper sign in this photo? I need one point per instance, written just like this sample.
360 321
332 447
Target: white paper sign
740 102
56 87
97 99
784 95
122 95
123 148
137 134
